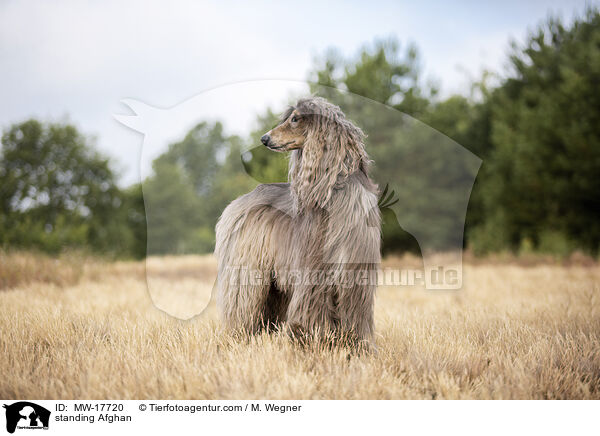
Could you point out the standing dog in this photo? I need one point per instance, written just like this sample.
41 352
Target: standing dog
305 253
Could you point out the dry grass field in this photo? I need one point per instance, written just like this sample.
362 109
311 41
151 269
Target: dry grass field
81 328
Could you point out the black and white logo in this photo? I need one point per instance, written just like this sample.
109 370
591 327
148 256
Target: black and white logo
26 415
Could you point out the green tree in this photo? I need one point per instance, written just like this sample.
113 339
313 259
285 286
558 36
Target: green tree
541 184
262 164
381 72
192 182
135 219
56 191
467 120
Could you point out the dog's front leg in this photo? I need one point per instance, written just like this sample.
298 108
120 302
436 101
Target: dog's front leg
355 309
312 313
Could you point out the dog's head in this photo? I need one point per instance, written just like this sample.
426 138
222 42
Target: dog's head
312 122
290 133
325 146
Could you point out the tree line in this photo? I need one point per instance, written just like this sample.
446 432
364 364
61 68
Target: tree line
537 131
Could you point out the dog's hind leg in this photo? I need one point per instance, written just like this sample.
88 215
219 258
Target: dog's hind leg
241 299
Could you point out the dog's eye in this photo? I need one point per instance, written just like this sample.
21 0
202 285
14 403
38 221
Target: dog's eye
294 119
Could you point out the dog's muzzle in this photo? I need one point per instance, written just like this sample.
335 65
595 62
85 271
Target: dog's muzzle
266 139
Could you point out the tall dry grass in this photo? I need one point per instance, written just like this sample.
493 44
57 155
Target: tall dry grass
23 268
513 331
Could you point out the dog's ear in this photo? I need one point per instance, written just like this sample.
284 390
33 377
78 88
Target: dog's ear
315 169
348 149
333 147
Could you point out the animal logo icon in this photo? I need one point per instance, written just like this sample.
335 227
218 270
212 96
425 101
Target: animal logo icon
26 415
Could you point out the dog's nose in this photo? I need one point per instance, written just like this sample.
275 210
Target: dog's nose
265 139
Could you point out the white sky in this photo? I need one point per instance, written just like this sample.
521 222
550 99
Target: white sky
76 60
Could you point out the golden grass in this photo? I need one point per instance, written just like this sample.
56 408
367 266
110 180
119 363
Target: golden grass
23 268
512 332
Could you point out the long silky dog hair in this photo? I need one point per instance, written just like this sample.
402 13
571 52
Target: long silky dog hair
304 254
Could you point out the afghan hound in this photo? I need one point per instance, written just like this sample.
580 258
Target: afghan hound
304 253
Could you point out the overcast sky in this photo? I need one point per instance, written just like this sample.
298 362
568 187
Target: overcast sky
76 60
